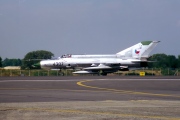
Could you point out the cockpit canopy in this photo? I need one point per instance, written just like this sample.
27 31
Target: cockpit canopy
66 56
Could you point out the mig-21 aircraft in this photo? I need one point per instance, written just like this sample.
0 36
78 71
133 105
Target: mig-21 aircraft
134 57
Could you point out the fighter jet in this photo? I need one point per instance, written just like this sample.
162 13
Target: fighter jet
134 57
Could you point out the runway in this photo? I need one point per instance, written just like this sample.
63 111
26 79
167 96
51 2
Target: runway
79 90
87 89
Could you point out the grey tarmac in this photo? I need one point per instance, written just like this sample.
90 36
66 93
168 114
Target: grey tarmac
90 98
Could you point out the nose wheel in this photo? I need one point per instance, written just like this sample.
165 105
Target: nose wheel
61 72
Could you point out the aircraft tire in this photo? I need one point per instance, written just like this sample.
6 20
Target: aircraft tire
104 74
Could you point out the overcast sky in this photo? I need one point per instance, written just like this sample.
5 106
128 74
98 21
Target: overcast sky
87 26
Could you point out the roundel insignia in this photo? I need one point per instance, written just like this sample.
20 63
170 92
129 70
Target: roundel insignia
137 51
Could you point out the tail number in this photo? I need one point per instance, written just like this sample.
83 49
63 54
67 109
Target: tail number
58 64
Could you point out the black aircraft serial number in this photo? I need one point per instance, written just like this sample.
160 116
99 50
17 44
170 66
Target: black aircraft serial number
58 64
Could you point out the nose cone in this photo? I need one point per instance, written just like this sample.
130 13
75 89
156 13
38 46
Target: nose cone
37 65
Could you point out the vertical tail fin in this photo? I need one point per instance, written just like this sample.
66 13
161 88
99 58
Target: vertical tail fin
139 51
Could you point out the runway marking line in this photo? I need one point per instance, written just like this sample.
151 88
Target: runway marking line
80 83
89 112
51 89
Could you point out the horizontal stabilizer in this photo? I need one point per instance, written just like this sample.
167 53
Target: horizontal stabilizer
143 61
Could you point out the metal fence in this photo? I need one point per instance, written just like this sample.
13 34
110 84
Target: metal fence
148 72
34 73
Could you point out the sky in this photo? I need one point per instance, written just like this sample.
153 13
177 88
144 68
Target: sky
87 26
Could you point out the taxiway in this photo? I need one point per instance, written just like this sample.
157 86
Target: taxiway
90 97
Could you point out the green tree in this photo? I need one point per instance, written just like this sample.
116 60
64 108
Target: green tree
11 62
172 61
178 61
164 61
0 62
160 61
32 58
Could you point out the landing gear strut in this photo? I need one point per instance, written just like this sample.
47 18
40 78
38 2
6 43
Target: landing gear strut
104 74
61 73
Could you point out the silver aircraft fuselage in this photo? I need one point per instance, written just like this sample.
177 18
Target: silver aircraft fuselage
133 57
88 61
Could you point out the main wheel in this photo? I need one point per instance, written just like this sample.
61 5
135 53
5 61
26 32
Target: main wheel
104 74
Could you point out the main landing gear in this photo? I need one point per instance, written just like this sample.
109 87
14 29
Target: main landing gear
102 73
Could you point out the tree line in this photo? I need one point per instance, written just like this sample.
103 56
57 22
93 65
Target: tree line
164 61
31 60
